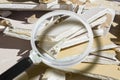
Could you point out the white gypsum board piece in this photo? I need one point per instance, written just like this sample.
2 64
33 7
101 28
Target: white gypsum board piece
97 69
98 18
62 29
106 4
66 28
95 24
18 33
94 73
106 54
56 46
91 18
93 14
104 43
80 38
103 57
18 29
35 6
18 23
101 60
51 4
100 43
87 76
77 40
53 74
98 13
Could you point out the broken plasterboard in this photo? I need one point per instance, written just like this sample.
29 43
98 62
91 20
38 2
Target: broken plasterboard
99 18
103 57
53 74
63 30
104 3
36 6
91 18
100 43
18 29
111 71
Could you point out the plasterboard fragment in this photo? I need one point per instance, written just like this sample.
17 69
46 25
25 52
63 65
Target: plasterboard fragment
18 29
18 33
104 57
97 18
76 37
87 76
106 4
63 30
36 6
52 74
100 21
100 43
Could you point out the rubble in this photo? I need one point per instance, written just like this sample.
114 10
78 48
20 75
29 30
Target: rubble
99 16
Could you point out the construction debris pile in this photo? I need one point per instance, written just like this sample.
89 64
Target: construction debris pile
104 19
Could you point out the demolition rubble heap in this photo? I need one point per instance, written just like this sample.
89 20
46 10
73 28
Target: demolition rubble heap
102 15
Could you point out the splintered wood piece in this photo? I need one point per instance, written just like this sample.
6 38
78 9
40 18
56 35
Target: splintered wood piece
35 6
52 74
18 32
